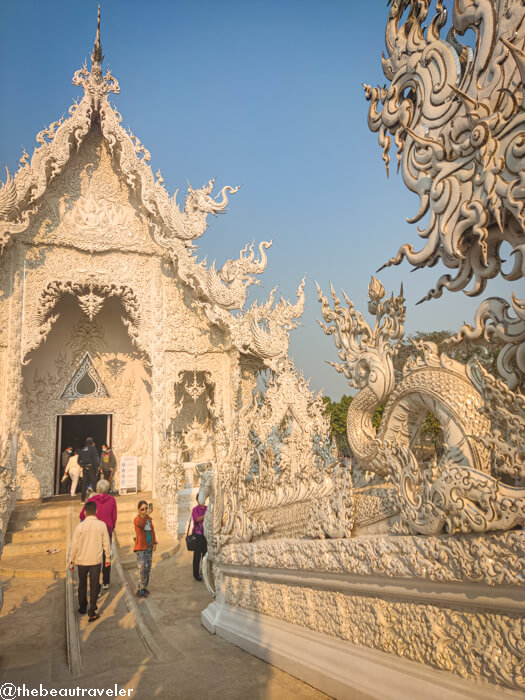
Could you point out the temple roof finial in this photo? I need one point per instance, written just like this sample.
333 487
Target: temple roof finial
96 56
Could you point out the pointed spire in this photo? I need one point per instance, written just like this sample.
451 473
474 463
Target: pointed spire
96 56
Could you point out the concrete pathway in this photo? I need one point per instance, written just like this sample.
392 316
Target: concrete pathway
185 662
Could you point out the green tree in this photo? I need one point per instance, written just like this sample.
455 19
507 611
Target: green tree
337 411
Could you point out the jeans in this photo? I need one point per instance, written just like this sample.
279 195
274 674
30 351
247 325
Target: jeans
143 568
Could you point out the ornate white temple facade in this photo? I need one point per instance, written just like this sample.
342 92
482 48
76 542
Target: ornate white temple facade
110 326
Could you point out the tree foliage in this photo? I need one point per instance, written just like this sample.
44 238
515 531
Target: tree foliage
337 411
485 351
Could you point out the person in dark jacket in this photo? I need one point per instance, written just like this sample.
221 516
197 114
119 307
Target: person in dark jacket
89 461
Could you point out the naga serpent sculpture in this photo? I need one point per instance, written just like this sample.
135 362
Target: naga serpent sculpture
459 493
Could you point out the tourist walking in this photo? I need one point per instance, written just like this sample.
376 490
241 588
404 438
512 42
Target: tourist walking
66 454
107 513
108 464
89 461
145 545
73 471
90 541
197 515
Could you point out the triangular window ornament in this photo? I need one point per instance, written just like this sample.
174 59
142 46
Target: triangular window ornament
85 382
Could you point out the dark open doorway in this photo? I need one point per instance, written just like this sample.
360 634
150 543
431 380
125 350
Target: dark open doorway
72 431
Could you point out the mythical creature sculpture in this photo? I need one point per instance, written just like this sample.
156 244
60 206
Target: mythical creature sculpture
457 117
263 330
191 223
464 491
228 286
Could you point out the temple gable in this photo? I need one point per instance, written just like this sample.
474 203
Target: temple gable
90 207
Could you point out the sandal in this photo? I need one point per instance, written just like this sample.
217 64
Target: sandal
94 617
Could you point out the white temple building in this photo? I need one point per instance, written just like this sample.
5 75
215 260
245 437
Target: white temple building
110 327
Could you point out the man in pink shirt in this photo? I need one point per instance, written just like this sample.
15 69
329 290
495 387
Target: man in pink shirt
107 513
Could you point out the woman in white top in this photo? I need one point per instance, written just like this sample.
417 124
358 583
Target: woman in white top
73 470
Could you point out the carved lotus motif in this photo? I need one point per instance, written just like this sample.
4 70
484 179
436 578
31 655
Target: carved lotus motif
92 215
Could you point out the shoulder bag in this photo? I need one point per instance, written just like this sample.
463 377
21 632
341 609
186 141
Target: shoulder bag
192 540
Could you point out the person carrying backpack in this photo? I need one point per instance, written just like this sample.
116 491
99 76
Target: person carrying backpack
89 461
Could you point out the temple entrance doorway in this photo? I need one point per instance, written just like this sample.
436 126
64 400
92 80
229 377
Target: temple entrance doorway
72 431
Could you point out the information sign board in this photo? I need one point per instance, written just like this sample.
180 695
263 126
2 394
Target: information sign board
128 474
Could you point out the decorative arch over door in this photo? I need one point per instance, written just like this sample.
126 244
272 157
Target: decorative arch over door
91 298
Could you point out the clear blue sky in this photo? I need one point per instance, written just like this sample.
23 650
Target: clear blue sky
263 93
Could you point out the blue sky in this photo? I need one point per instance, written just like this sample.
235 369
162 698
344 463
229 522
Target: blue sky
263 93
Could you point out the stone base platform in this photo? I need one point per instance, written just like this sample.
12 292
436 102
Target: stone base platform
389 617
337 668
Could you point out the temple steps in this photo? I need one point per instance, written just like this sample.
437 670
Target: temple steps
35 541
36 518
35 535
36 527
122 623
38 566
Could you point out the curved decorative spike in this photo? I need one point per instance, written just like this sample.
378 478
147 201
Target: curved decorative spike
7 195
96 56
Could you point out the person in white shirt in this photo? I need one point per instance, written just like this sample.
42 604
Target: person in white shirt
73 470
90 540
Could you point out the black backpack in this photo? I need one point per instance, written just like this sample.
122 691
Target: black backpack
83 456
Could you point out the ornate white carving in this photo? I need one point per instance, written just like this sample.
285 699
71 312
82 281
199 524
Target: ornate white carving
86 368
481 645
198 440
8 487
452 498
506 412
38 328
87 219
263 330
494 559
93 209
493 320
457 118
171 476
276 475
458 494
